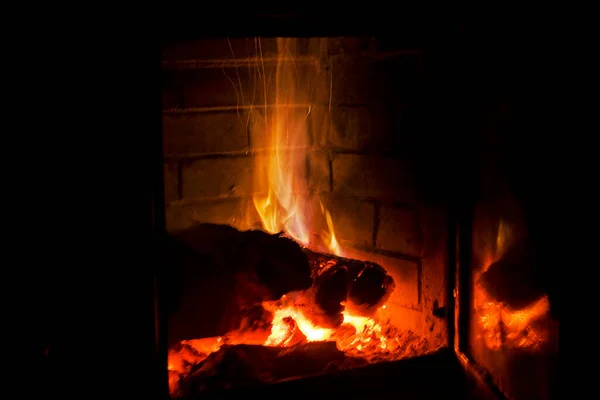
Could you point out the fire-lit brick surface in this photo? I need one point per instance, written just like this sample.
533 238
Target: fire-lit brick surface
217 177
171 180
380 177
360 130
400 230
357 218
185 133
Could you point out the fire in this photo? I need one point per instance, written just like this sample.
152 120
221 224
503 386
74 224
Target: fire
367 337
353 335
287 205
281 331
364 329
500 326
329 236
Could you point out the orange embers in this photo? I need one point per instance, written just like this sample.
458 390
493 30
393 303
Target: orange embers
368 338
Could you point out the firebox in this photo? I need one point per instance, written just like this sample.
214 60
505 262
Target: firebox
322 232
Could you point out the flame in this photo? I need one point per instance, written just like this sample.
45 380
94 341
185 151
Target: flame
280 331
286 207
499 326
329 235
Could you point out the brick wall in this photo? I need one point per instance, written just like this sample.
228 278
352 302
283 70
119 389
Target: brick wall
362 127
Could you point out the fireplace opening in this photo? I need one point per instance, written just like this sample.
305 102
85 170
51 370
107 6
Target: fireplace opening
301 249
309 201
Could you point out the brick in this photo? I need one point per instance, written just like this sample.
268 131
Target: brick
434 222
405 274
400 231
215 177
319 126
171 182
352 80
373 176
226 212
353 220
351 127
246 86
171 90
391 127
318 171
214 87
358 128
294 125
204 133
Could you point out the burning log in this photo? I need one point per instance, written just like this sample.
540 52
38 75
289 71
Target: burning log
332 288
371 288
363 285
219 276
294 334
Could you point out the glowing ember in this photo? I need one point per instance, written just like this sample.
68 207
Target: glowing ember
281 331
357 336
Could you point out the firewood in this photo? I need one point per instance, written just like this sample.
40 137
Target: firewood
371 288
278 261
363 285
216 274
331 290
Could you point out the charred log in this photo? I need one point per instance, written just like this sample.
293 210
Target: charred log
331 290
371 288
218 276
278 262
321 262
366 285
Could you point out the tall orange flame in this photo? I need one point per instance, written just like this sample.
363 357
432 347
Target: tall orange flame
286 207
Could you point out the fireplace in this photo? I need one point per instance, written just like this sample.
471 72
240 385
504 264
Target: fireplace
325 224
